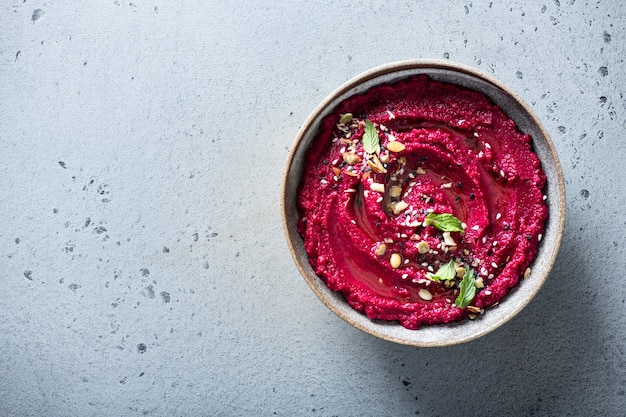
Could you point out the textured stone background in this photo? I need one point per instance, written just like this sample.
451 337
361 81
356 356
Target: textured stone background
143 266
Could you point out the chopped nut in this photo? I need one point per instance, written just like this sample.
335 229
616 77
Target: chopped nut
472 316
479 283
448 240
395 191
400 206
351 158
345 118
381 249
336 171
420 170
395 260
473 309
423 247
378 187
460 271
446 185
376 166
425 295
396 146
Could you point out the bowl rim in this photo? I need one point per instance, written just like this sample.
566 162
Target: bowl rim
398 67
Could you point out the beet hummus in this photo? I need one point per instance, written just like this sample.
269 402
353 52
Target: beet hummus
421 202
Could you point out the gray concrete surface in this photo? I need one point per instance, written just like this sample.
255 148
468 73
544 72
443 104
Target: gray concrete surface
143 266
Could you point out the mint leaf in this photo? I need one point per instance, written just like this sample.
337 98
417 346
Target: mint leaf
445 222
445 272
467 289
370 138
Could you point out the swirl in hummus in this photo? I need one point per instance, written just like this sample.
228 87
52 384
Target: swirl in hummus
441 150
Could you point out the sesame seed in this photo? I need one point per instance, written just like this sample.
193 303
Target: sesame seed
353 221
350 190
498 216
476 134
487 292
324 182
487 145
501 173
495 265
405 276
539 237
475 227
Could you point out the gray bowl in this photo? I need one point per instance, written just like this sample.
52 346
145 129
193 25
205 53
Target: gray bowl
527 122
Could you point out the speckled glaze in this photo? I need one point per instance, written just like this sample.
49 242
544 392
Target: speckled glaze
516 109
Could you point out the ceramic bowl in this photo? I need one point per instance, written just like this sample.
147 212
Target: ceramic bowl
527 122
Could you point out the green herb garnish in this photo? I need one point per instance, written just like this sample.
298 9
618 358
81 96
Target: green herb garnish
370 138
467 289
445 222
445 272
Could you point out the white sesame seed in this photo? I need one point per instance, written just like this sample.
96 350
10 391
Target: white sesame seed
545 197
324 182
405 276
475 227
379 199
487 292
495 265
490 276
406 261
539 237
350 190
501 173
476 134
487 145
495 243
498 216
353 221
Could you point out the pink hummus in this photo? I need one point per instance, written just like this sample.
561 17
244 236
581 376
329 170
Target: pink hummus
442 149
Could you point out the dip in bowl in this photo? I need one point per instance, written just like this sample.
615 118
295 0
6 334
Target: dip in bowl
423 203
